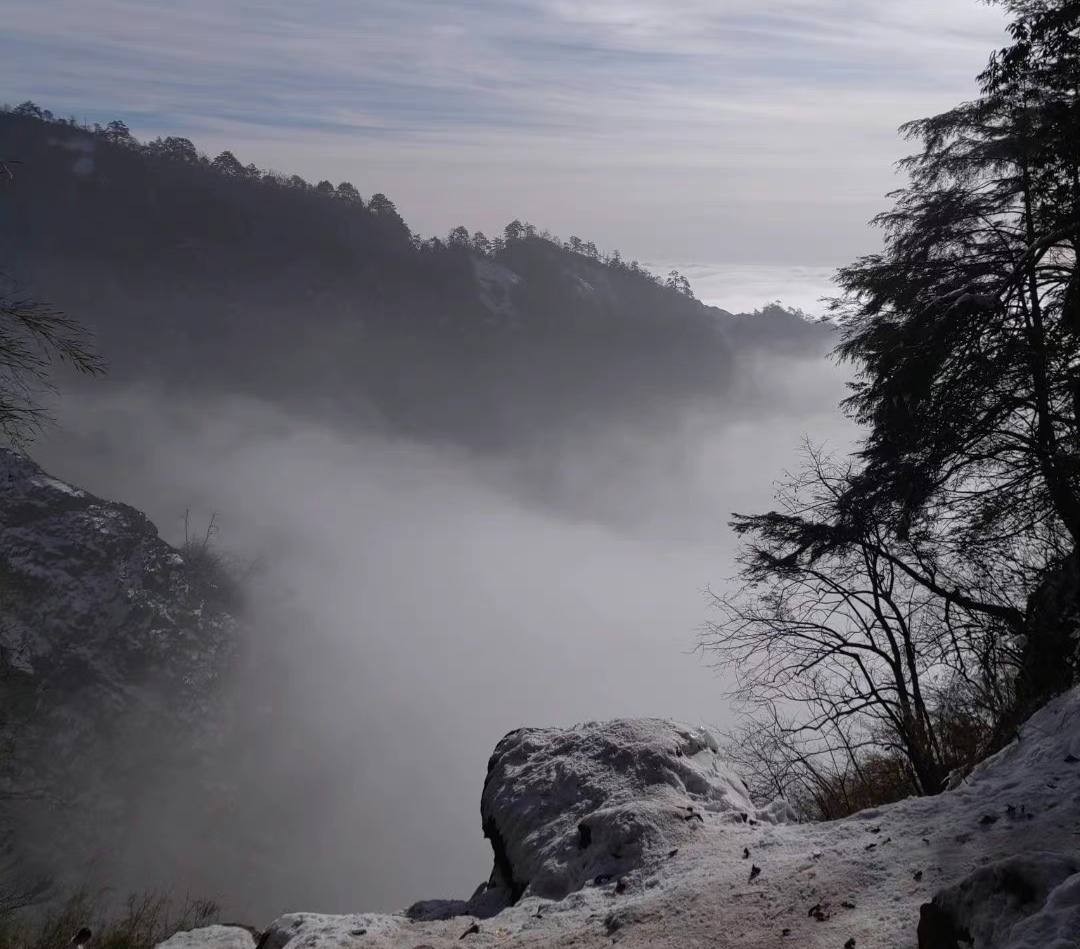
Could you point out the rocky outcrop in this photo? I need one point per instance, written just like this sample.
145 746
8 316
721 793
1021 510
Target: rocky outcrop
112 647
599 801
603 801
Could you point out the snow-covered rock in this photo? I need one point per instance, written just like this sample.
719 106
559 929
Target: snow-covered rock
320 929
211 937
565 806
94 599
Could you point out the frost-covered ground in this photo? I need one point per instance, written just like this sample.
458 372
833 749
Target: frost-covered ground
654 843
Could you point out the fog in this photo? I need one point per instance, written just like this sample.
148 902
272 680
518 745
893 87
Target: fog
742 288
411 603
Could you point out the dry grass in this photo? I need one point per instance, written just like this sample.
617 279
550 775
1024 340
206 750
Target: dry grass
141 923
213 572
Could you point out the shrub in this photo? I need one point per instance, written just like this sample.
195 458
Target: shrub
216 575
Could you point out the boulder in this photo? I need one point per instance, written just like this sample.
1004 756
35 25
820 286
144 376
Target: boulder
563 807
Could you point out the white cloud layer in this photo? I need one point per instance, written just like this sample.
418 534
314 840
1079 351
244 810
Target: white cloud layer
421 602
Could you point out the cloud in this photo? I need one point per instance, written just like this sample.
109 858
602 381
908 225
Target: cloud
742 288
482 111
414 604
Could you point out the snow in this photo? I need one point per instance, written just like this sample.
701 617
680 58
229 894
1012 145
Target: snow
54 484
497 284
211 937
318 929
997 858
1056 925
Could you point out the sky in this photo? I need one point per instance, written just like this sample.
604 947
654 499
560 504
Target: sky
731 133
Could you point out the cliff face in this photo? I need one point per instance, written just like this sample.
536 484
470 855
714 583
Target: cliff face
635 832
112 648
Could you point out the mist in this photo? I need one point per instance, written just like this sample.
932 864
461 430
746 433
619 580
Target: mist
410 603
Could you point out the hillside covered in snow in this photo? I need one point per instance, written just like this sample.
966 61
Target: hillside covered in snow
636 833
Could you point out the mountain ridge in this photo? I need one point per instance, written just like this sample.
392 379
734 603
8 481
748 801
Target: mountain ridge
182 269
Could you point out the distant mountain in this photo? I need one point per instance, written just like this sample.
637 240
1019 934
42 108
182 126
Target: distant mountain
208 274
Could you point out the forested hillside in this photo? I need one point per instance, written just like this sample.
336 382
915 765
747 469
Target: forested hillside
216 275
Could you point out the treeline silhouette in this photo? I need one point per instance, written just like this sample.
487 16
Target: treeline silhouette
179 149
215 274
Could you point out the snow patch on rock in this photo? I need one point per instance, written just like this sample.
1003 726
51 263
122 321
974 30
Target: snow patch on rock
497 284
321 929
211 937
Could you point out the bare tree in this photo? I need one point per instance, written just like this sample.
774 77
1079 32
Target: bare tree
842 645
823 776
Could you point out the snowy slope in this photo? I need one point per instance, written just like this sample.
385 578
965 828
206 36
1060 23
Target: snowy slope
1001 853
